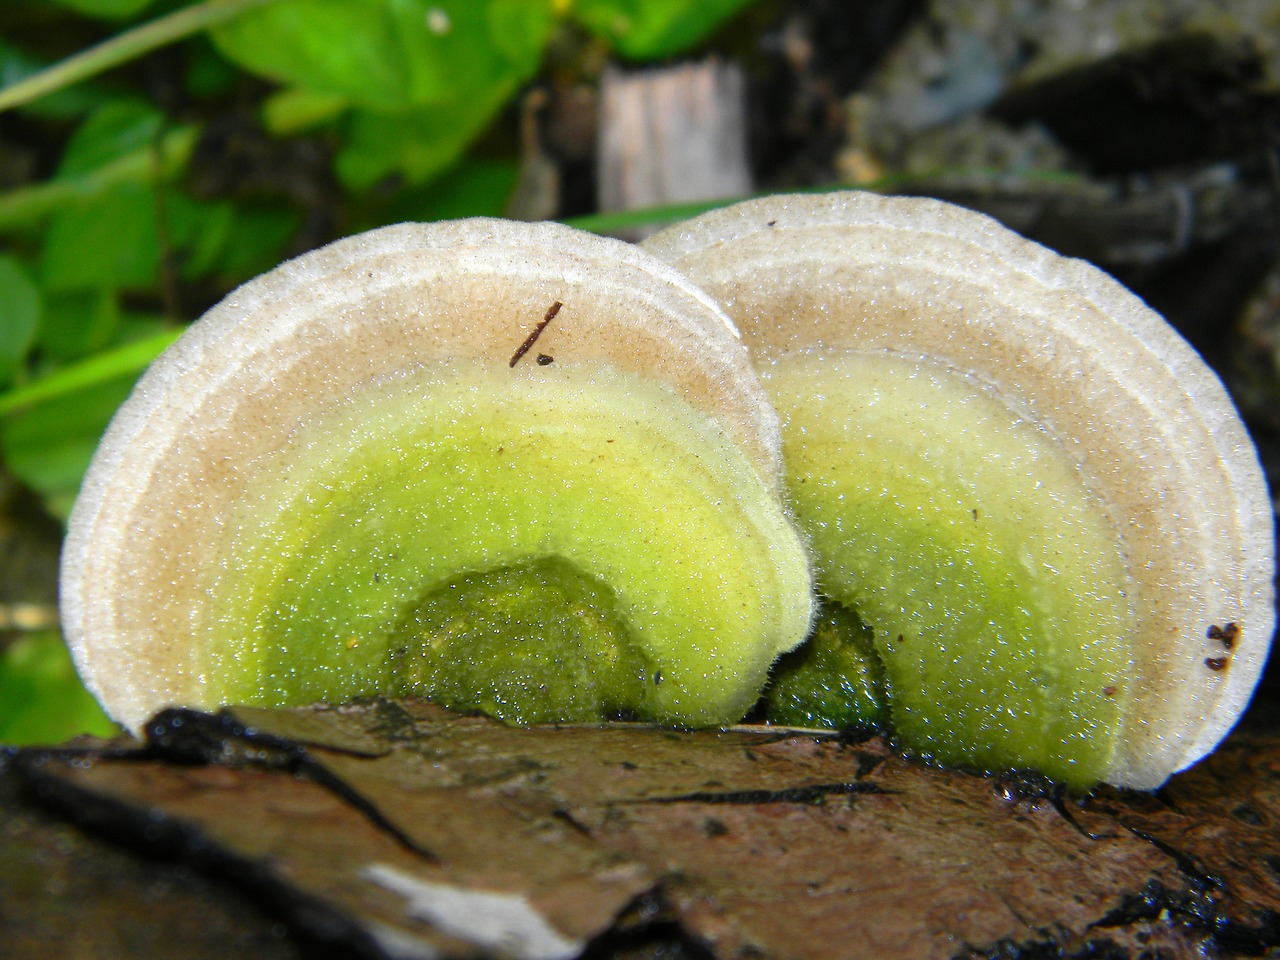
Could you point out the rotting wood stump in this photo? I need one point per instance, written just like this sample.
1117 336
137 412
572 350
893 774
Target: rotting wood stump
395 829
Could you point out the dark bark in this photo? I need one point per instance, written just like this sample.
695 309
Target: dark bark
371 830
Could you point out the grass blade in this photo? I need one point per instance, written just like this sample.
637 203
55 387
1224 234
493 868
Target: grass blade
102 368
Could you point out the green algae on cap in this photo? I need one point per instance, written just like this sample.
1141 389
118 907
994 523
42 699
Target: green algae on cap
347 479
1029 487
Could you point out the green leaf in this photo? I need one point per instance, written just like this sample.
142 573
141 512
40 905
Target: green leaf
28 206
204 238
125 361
390 54
41 698
19 317
111 242
48 447
201 234
52 425
291 111
76 324
649 29
255 242
116 242
115 238
625 220
108 9
208 75
472 188
520 29
415 144
109 133
229 241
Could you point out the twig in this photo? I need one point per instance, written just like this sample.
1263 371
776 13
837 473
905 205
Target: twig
28 205
123 48
532 338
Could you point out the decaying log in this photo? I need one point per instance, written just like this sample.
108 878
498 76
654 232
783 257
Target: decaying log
395 829
672 134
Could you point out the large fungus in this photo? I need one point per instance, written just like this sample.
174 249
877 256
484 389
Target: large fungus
513 467
1028 488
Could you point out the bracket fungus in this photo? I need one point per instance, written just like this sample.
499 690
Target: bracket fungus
1032 493
348 479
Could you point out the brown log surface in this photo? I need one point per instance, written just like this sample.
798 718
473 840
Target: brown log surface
394 829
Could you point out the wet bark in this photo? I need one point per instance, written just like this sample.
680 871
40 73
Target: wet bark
394 829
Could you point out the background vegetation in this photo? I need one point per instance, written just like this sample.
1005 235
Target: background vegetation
154 154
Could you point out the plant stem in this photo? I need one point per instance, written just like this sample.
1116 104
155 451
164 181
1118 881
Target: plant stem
123 48
26 206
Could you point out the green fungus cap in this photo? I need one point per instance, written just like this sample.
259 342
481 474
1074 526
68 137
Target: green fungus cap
916 350
516 468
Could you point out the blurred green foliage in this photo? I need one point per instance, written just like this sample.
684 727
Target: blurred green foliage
43 700
107 251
